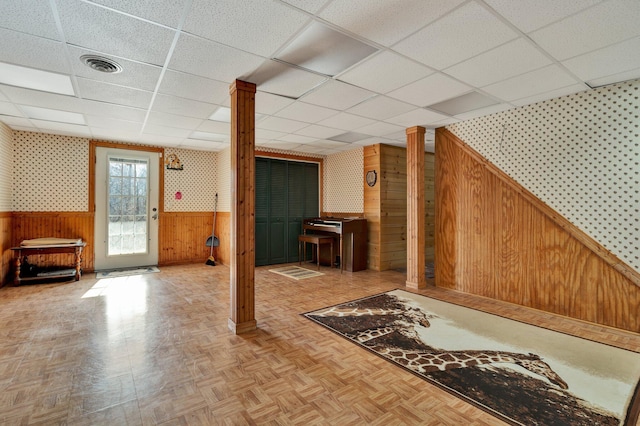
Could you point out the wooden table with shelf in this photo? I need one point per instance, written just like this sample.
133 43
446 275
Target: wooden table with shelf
74 271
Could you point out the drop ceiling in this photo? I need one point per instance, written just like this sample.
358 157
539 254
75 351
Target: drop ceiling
331 74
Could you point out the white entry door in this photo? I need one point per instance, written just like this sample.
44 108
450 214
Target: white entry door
126 219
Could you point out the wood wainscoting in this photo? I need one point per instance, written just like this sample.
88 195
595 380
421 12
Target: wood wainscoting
6 261
496 239
183 237
28 225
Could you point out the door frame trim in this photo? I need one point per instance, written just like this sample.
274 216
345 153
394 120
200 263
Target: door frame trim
92 169
93 144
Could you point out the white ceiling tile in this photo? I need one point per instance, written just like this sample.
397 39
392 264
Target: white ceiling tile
182 106
529 15
156 129
167 13
46 114
435 88
111 110
463 33
616 78
319 132
62 128
483 111
337 95
464 103
607 61
201 145
269 104
321 49
531 84
7 108
511 59
385 72
268 134
19 95
98 121
134 74
280 79
281 124
385 21
114 135
34 52
211 60
398 136
297 139
417 117
279 145
310 149
255 26
311 6
30 128
98 91
617 20
180 121
372 141
346 121
381 107
2 96
555 93
159 140
306 112
205 136
194 87
215 127
380 129
31 17
96 28
14 122
221 114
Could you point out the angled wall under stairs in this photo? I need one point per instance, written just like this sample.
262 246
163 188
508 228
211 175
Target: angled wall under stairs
496 239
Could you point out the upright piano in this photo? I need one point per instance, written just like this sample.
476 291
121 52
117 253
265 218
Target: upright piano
351 237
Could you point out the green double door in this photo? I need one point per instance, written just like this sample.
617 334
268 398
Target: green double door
287 192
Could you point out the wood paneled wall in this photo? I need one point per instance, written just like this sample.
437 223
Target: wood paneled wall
495 239
183 236
28 225
429 206
6 260
385 206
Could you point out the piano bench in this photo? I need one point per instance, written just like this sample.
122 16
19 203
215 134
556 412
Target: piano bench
318 240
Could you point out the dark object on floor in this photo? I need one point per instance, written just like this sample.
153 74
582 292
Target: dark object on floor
213 241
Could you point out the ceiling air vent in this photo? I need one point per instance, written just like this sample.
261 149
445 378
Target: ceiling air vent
100 63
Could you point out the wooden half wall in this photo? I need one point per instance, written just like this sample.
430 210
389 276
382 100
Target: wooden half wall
496 239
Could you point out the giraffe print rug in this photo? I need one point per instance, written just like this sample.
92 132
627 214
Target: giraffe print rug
520 373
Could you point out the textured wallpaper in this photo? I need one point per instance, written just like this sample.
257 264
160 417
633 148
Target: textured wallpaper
580 154
6 153
343 182
196 183
50 173
224 180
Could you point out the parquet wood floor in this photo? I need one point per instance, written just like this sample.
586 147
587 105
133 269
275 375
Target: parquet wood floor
155 349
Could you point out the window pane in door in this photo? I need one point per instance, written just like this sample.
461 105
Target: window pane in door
128 207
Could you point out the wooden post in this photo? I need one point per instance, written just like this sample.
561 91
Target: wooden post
242 232
415 208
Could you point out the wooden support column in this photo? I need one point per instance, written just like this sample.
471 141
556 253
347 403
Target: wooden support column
415 208
242 232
